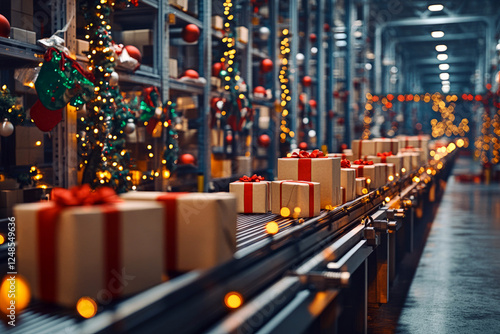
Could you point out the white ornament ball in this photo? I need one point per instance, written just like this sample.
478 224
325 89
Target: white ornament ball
219 105
113 79
264 33
130 127
6 129
300 58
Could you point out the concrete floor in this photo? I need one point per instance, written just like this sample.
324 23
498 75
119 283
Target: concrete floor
456 288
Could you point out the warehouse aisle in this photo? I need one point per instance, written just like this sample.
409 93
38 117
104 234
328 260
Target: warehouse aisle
456 288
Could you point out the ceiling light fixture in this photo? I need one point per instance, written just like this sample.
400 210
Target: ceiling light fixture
442 56
445 83
437 34
445 89
441 48
444 76
444 67
435 8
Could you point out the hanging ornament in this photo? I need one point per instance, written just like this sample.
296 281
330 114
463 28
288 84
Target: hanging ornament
312 37
190 33
307 81
130 127
216 68
191 74
264 140
45 119
220 104
266 65
259 91
326 27
264 33
134 53
7 128
114 78
187 159
229 139
313 104
4 27
303 146
300 58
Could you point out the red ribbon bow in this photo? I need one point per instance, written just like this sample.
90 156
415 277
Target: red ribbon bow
254 178
83 195
305 154
363 163
384 154
344 163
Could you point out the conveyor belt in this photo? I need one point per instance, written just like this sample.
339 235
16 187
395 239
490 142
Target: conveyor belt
260 260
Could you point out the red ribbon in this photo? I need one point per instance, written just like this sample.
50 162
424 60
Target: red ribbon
169 201
47 230
344 163
363 163
344 196
253 178
360 171
248 197
384 156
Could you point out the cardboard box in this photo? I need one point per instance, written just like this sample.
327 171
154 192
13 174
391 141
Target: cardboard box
82 47
202 226
397 160
242 34
244 165
381 174
181 4
363 147
251 197
220 167
217 22
348 182
18 34
173 68
9 198
323 170
368 172
89 250
216 82
361 186
301 198
30 37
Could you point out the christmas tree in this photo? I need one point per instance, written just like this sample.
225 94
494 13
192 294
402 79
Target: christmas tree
104 158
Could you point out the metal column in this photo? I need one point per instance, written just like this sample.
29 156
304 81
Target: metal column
330 77
294 30
348 71
320 87
273 150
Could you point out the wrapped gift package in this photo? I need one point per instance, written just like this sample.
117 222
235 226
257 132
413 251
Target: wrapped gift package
220 167
242 34
302 198
380 174
422 158
397 160
244 165
361 187
181 4
390 170
317 169
387 145
368 172
66 253
217 22
343 195
200 227
421 141
251 197
348 182
406 165
363 147
412 160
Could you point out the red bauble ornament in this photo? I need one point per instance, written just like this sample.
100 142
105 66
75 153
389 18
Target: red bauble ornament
307 81
229 139
266 65
313 103
4 27
340 121
45 119
259 90
187 159
190 33
216 68
336 94
191 74
312 37
343 147
303 145
326 27
134 52
214 100
264 140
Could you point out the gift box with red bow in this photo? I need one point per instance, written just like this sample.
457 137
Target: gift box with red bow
200 228
366 169
387 145
420 160
253 194
363 147
295 198
421 141
348 182
346 155
388 157
314 167
85 243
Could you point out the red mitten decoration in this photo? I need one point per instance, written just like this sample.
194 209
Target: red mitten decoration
45 119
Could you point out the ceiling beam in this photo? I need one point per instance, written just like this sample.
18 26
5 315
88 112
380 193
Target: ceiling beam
429 38
436 21
450 60
452 69
453 79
